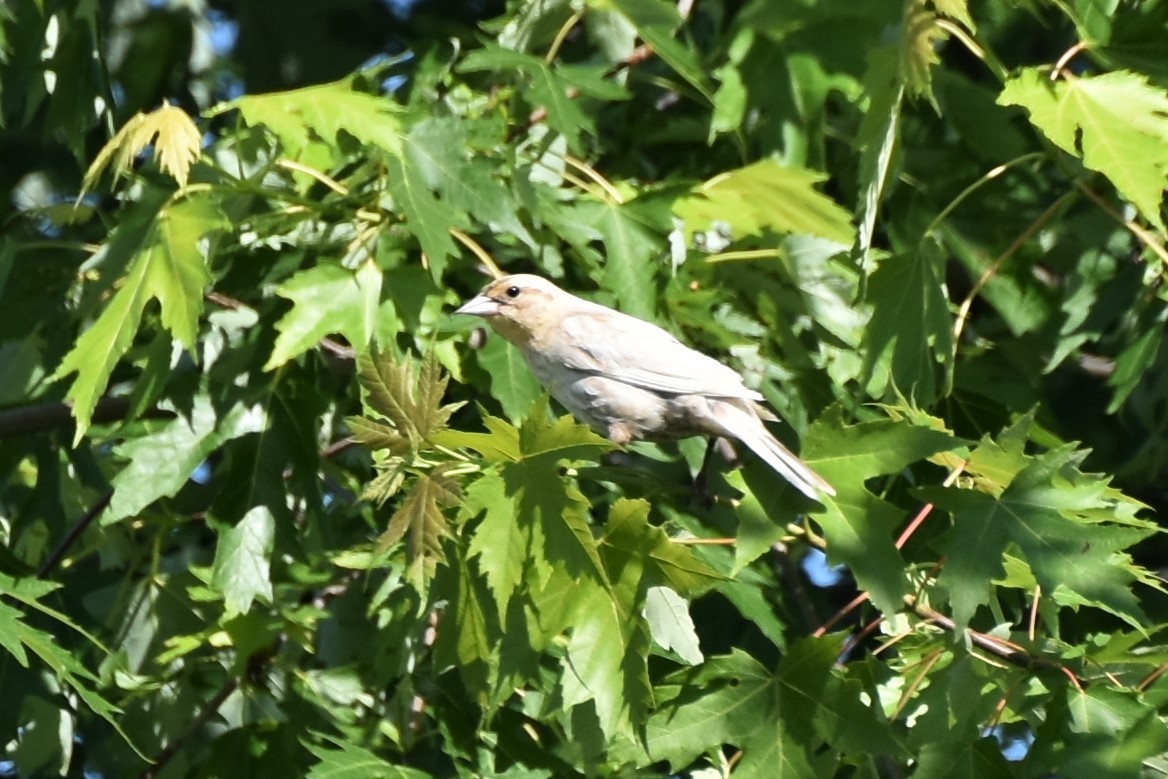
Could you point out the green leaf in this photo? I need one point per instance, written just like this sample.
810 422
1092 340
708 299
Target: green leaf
543 85
858 525
19 636
327 299
633 252
1132 364
734 700
500 542
910 336
348 761
242 560
1106 733
780 721
430 219
512 382
656 21
981 759
666 562
670 625
878 139
444 152
1056 516
1117 123
765 196
300 118
169 267
160 464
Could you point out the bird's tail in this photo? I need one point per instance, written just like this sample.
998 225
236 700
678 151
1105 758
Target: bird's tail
744 425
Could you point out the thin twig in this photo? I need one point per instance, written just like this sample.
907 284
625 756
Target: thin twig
93 512
1005 650
855 603
1146 682
49 416
930 660
178 742
1068 55
313 173
928 507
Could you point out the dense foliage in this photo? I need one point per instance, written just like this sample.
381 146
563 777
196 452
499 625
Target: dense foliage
267 508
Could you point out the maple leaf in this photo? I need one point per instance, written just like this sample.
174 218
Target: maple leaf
409 402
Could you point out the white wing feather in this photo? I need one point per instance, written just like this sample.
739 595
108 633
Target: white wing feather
646 356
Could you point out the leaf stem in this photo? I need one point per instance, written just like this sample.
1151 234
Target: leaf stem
477 251
561 36
996 265
314 174
593 174
990 175
746 254
983 53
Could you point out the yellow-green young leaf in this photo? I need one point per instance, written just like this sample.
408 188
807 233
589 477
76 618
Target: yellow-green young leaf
243 559
918 53
765 196
955 9
169 267
327 299
176 139
300 116
1117 123
374 435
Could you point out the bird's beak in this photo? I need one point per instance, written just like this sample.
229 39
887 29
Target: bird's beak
479 305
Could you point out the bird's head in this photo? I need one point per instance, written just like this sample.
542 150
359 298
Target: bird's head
518 307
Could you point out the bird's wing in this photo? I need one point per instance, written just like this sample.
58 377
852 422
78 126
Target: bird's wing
636 352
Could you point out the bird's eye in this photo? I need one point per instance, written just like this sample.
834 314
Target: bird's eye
512 292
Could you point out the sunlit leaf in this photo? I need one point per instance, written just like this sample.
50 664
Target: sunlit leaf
170 267
765 196
1117 123
243 559
327 299
301 117
172 133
